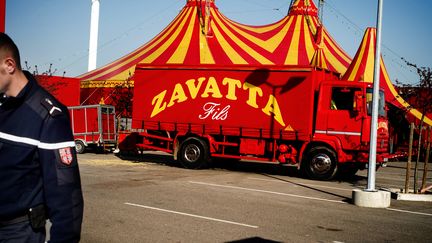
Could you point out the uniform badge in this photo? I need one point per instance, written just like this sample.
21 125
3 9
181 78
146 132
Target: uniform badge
52 109
66 156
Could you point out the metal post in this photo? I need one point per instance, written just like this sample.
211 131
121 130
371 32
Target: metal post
375 103
408 166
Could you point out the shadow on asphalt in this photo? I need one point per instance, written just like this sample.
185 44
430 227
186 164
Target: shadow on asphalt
253 240
148 158
271 171
345 199
420 166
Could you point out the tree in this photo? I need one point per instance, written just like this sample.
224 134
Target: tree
44 78
122 97
422 93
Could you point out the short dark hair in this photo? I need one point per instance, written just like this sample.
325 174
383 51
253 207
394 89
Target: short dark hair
8 46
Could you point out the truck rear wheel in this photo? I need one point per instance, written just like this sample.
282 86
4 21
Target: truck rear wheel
79 147
320 164
193 154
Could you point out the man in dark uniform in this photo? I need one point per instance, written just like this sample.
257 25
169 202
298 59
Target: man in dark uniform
39 176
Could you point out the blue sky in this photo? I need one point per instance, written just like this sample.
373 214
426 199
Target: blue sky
57 31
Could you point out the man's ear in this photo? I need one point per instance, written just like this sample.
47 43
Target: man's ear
10 65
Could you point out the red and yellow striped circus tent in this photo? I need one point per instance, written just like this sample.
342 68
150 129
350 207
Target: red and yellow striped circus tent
202 35
362 68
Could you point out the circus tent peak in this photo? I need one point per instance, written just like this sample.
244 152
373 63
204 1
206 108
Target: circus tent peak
362 68
202 35
304 7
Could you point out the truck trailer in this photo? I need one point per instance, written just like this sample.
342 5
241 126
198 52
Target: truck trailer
295 116
93 126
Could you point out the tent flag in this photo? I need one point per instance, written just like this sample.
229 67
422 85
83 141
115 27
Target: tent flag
361 70
193 39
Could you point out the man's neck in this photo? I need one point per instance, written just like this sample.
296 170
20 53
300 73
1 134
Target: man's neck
18 83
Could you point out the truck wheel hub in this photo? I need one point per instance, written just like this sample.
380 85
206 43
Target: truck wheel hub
192 153
78 147
321 163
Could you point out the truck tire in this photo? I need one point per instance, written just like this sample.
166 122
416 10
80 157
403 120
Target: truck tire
320 164
79 147
193 154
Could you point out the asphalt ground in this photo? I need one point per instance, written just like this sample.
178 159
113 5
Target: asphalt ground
151 199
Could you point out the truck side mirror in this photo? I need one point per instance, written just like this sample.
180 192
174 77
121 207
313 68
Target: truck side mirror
358 102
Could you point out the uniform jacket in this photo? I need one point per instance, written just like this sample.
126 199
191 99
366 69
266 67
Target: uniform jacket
38 163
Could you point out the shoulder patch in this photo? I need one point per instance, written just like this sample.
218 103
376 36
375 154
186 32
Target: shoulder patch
66 156
52 109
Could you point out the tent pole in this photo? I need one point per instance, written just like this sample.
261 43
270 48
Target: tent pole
290 5
321 11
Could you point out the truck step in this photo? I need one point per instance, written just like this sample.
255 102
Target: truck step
147 135
150 147
226 144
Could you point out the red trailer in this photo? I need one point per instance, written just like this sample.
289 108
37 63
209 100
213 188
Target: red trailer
289 115
93 126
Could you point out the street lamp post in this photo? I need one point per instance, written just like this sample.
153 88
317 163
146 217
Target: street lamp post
375 105
370 197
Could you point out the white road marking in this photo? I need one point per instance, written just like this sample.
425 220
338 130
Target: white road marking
411 212
192 215
300 184
269 192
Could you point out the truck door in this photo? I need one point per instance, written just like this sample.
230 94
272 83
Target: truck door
343 120
107 121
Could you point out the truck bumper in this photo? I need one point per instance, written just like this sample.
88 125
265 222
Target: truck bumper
381 158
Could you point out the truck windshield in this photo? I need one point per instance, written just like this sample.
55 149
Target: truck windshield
381 105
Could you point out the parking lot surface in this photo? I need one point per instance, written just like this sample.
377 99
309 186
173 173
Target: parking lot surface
151 199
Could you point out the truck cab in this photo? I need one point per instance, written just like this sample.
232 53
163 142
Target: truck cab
343 119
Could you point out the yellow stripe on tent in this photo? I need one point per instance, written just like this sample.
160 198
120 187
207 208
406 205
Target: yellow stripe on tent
416 113
229 51
205 53
132 57
260 58
355 69
180 53
369 69
256 29
292 56
308 41
166 44
336 47
269 44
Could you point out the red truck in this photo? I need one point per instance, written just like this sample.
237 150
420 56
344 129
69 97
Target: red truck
93 126
291 116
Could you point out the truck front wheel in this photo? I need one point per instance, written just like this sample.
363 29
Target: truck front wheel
320 164
193 154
